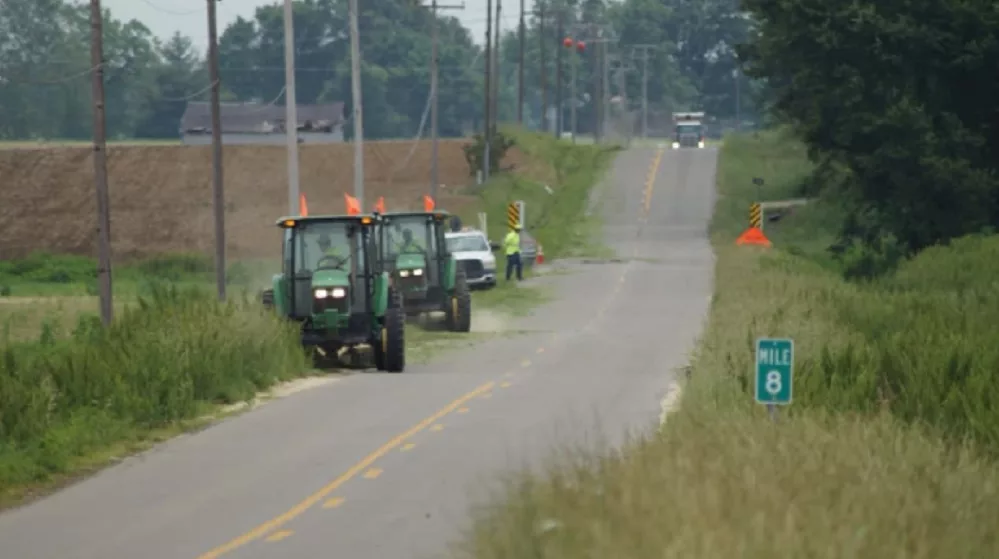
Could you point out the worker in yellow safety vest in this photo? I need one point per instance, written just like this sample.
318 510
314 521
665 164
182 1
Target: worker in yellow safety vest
511 246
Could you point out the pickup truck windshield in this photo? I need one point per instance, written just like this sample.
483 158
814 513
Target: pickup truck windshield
469 243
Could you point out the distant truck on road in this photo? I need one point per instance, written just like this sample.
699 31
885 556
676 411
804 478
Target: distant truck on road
688 130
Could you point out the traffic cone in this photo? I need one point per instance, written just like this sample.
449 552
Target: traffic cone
753 236
540 258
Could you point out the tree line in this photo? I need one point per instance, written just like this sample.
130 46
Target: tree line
898 103
45 74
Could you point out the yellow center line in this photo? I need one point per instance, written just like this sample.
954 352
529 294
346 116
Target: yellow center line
650 182
278 536
366 462
333 503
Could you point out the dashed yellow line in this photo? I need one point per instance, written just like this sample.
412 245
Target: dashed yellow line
372 473
650 182
407 447
437 428
333 503
278 521
278 536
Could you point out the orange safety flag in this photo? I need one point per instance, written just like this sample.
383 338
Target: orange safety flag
753 236
303 208
353 206
380 205
428 203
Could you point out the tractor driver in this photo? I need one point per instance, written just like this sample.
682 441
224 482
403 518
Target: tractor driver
408 245
330 255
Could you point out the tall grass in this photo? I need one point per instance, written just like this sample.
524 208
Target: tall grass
555 219
162 361
887 451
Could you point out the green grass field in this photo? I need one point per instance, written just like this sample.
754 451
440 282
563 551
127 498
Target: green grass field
73 396
887 451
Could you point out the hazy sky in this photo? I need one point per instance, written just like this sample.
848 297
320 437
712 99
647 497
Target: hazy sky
164 17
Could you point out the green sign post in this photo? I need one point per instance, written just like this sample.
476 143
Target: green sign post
774 371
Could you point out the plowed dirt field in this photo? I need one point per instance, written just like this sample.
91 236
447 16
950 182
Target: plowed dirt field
161 197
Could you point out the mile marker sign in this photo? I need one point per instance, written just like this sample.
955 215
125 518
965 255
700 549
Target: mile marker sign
774 367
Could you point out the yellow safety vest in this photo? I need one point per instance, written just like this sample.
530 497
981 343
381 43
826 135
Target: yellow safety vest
511 243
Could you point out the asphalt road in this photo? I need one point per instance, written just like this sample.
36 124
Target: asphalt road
379 466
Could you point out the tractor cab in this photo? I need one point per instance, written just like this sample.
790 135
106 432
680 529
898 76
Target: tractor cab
413 249
333 284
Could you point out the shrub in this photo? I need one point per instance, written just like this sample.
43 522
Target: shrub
475 152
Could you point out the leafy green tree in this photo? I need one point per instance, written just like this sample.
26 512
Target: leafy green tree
901 95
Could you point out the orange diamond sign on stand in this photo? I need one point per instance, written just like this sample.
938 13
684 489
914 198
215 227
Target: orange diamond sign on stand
753 236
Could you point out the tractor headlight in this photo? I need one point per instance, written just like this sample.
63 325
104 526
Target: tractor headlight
336 293
418 272
676 145
403 273
700 144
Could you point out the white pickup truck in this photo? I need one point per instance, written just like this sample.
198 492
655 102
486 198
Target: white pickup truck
474 253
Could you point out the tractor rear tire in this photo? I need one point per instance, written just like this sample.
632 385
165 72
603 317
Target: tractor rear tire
459 305
391 349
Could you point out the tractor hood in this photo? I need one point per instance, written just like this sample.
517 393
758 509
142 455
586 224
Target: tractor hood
330 278
409 261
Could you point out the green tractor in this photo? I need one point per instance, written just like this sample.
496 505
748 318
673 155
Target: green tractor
428 278
333 284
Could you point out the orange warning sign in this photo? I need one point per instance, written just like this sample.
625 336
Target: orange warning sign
753 236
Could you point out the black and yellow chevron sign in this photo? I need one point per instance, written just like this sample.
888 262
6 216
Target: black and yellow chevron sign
513 215
755 215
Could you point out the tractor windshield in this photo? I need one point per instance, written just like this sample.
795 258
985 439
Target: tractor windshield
409 235
326 245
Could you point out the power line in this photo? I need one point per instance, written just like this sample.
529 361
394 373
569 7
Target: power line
172 12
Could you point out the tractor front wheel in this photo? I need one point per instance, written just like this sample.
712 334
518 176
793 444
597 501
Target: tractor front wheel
390 348
459 305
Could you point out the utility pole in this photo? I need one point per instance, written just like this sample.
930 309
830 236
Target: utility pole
544 67
645 48
622 91
645 90
522 36
355 92
573 72
291 109
488 92
100 164
560 30
218 197
598 95
605 94
434 89
497 41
